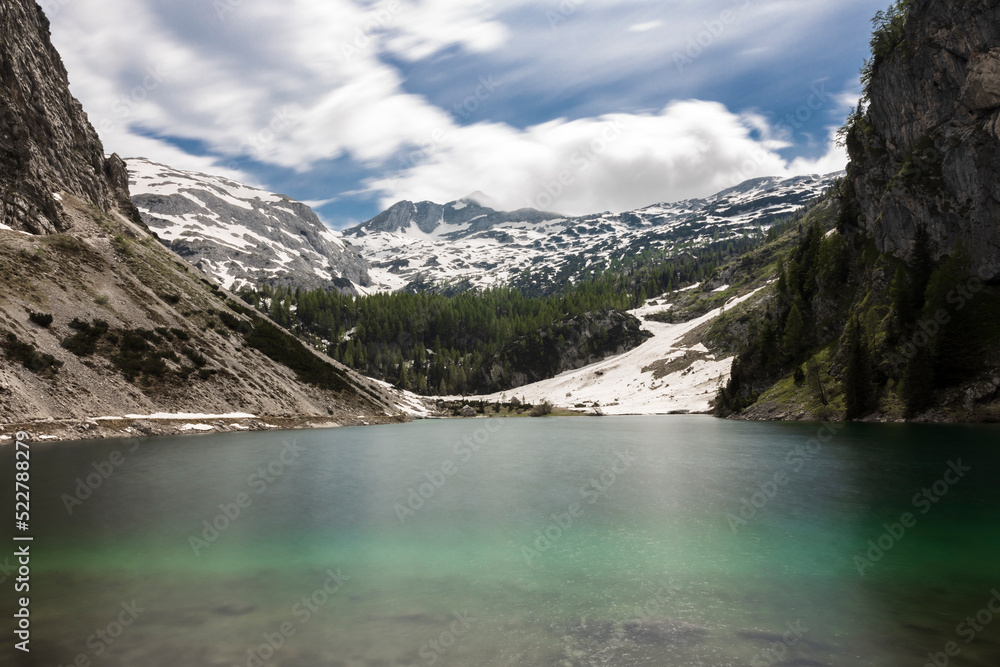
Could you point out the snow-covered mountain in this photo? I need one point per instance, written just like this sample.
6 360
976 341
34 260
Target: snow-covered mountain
242 235
466 243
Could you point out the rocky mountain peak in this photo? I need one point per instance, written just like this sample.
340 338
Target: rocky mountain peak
48 149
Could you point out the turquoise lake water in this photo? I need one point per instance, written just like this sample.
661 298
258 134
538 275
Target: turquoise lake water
679 541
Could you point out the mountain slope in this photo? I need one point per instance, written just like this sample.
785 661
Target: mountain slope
673 372
101 319
465 244
897 316
242 235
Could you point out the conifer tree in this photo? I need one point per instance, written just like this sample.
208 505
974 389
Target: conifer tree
858 374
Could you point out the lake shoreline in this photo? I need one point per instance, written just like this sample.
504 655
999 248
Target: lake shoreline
116 428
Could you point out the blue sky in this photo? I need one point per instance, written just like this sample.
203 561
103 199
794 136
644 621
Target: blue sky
576 106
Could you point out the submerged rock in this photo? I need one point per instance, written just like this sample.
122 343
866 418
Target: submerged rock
234 609
598 630
663 631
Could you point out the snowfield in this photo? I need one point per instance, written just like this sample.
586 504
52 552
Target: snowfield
642 381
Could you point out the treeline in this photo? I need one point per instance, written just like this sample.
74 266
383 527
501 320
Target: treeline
438 344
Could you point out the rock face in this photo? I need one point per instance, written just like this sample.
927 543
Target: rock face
465 215
927 149
242 235
48 150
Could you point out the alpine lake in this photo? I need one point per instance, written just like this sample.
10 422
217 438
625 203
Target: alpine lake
566 542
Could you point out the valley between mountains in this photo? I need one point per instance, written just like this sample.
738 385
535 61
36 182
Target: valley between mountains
245 237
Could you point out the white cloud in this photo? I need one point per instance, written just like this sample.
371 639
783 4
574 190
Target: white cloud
615 162
645 27
298 83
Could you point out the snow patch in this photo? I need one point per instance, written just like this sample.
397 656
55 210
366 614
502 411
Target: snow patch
197 427
627 383
186 416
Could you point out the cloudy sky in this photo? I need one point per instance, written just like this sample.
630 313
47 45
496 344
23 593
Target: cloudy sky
576 106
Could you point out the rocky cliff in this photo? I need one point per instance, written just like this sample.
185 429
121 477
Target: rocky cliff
926 148
898 315
48 149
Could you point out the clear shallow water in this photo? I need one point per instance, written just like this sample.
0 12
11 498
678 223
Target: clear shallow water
645 560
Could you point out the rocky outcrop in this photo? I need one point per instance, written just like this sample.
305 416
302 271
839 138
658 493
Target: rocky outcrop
429 218
48 150
927 149
242 235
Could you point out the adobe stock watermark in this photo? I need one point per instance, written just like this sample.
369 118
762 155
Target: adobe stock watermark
103 638
53 7
7 570
258 482
223 8
968 629
302 612
463 110
471 104
124 106
590 493
282 120
581 160
778 651
929 329
432 650
562 13
796 459
714 29
87 485
376 21
923 501
437 478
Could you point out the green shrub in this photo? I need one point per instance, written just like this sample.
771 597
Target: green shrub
196 358
43 320
84 342
29 356
66 243
136 357
150 336
541 410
